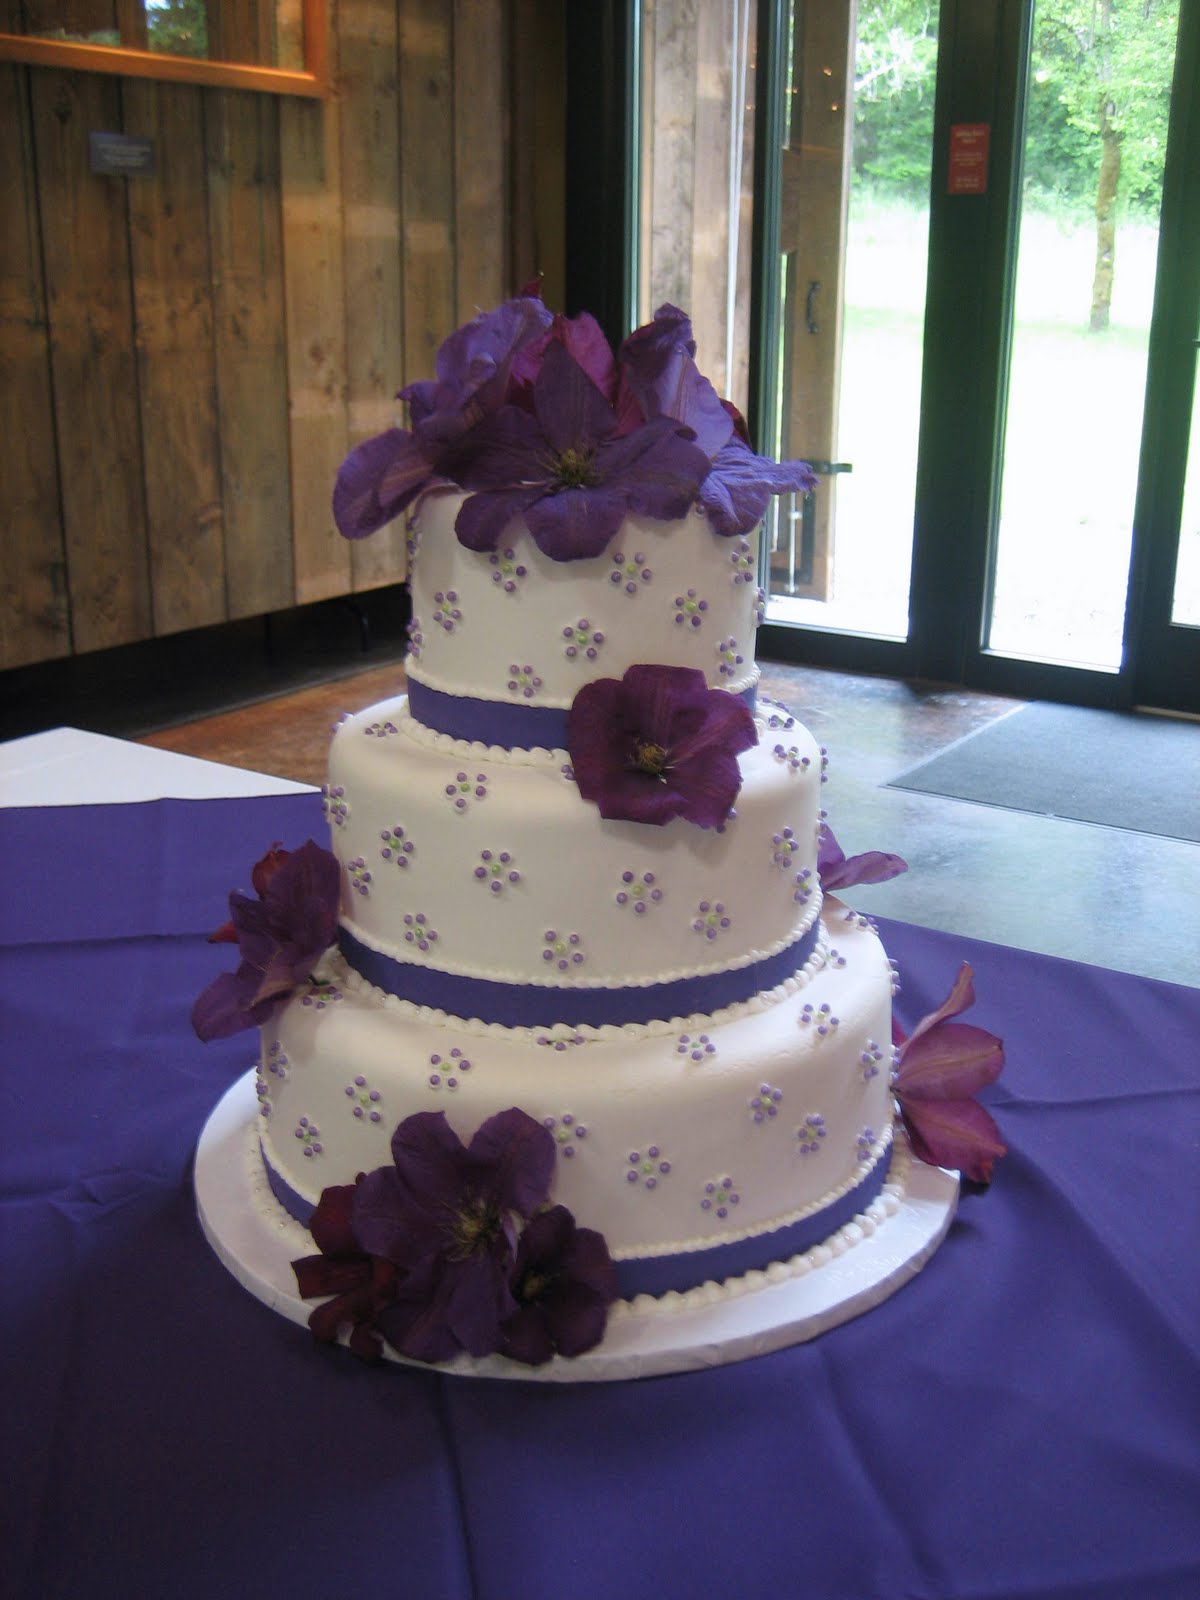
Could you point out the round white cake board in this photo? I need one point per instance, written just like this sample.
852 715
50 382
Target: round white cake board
235 1207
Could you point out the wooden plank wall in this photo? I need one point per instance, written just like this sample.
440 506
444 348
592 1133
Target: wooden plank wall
697 176
185 358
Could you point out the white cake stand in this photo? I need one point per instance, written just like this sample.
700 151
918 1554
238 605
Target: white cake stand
257 1241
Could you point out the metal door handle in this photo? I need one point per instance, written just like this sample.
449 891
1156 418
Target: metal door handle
810 306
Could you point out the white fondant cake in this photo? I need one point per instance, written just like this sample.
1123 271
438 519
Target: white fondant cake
709 1051
564 1018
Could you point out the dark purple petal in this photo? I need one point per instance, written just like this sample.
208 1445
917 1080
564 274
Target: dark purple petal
418 1329
227 1006
517 1155
484 518
954 1133
576 524
699 732
381 1217
564 1281
322 1275
572 412
476 1300
474 364
576 1317
583 339
658 470
526 1337
736 491
431 1162
506 451
940 1066
707 787
377 480
837 871
951 1062
961 998
659 370
331 1223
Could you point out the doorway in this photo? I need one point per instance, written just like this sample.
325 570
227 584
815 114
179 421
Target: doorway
985 340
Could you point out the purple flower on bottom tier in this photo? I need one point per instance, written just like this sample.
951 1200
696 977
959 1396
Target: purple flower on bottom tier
658 744
429 1253
563 1282
280 937
940 1067
446 1216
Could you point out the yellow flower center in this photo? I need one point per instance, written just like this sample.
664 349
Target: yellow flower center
650 759
576 469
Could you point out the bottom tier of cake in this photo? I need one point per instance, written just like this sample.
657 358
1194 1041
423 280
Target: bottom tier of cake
702 1148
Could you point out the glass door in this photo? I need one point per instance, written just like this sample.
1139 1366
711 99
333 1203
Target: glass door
853 241
1097 107
960 240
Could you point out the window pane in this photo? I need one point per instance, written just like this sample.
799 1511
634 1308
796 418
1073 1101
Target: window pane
1095 137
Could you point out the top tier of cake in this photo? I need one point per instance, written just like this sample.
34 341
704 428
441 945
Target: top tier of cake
515 628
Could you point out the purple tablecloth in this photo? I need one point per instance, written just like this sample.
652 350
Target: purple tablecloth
1020 1421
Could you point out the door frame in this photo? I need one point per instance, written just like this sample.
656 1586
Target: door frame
1165 656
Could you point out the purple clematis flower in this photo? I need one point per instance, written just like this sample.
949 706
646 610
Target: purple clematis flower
839 871
659 373
384 475
657 744
564 1282
446 1217
940 1067
280 936
566 470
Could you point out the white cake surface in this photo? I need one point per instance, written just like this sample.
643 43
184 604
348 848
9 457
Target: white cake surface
496 848
674 593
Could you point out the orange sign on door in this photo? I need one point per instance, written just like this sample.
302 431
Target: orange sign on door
968 167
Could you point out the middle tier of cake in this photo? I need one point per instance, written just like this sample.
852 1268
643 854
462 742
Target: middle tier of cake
478 881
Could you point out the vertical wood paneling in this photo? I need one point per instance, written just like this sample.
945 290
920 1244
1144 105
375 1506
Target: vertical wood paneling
85 245
188 356
177 386
34 623
426 181
311 173
714 142
373 266
481 127
242 146
674 153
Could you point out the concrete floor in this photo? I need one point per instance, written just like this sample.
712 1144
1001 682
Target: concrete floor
1106 896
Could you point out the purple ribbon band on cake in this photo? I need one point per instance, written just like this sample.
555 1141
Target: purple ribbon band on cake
689 1268
496 722
527 1005
660 1274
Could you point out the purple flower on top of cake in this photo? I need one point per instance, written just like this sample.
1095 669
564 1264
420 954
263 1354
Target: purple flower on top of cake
940 1067
566 468
839 871
280 937
384 475
535 417
658 743
659 369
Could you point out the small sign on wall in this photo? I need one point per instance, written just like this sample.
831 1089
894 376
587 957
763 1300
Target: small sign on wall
121 155
968 169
